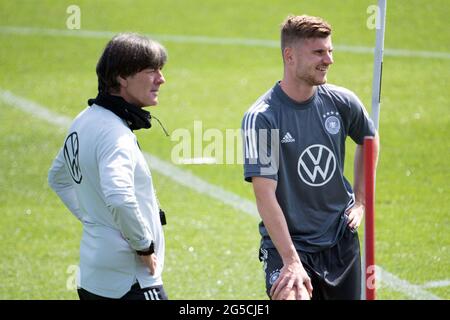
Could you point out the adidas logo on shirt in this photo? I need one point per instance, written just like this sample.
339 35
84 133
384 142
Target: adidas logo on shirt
287 138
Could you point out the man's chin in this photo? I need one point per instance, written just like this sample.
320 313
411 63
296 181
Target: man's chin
320 82
151 103
317 81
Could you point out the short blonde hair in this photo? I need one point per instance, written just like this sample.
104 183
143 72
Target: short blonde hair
303 27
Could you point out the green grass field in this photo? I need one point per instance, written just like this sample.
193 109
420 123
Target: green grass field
211 247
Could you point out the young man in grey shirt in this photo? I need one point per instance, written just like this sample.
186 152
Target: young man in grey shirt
294 148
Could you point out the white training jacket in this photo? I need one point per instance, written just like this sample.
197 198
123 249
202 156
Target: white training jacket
103 179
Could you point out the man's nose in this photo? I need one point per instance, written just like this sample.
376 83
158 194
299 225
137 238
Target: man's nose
328 59
160 77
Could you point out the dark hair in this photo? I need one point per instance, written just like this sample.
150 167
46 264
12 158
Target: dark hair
127 54
303 27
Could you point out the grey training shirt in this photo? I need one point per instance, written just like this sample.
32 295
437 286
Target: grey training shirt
302 147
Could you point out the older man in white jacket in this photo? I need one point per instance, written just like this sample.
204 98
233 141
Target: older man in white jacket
102 177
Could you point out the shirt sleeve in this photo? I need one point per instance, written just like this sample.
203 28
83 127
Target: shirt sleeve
261 147
360 124
117 162
61 182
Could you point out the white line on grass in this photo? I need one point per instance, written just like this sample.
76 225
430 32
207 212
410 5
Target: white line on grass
189 180
403 286
214 41
436 284
186 178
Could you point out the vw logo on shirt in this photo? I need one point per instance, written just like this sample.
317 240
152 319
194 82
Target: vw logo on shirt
316 165
71 148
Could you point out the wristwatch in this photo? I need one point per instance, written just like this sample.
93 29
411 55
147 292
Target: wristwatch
147 252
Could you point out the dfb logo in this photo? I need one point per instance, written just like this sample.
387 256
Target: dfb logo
332 125
316 160
71 149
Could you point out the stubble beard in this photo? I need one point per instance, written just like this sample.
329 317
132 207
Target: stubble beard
313 81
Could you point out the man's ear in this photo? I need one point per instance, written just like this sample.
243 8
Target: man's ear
122 81
288 55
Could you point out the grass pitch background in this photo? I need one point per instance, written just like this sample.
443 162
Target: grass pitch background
212 248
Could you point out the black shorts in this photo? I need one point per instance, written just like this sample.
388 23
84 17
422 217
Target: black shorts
135 293
335 272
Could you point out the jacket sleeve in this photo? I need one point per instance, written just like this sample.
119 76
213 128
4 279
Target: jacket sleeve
61 182
117 162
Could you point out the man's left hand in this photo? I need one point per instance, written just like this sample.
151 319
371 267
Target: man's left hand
355 215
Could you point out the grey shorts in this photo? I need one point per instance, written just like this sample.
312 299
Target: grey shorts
335 272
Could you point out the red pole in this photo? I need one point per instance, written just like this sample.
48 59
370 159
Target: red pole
369 176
